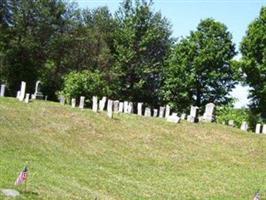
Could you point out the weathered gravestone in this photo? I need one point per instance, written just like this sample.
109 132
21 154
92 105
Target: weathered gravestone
73 102
62 100
102 103
110 108
3 88
38 94
161 112
125 106
258 129
231 123
147 112
244 126
130 108
140 109
116 106
121 107
81 102
95 104
22 90
183 116
10 192
155 112
33 97
173 118
264 129
167 111
18 94
193 114
27 98
208 114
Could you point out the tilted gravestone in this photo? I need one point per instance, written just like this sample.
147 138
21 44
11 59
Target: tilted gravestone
161 112
140 109
81 102
167 111
95 104
147 112
22 90
155 112
193 114
73 102
102 103
116 106
173 118
27 98
110 108
121 107
244 126
3 88
258 129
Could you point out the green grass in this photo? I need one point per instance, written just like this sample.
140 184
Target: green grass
74 154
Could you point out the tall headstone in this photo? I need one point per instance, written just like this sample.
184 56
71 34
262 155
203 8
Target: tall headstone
155 112
38 94
125 106
130 107
116 106
102 103
193 114
121 107
27 98
208 114
3 88
22 90
244 126
264 129
258 129
231 123
18 94
183 116
161 112
173 118
81 102
110 108
147 112
167 111
62 100
73 102
140 109
95 104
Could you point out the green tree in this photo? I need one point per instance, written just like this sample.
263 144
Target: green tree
200 68
142 42
253 49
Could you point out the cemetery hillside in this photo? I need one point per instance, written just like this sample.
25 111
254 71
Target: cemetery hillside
76 153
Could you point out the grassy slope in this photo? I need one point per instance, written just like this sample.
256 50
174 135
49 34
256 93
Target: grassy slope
74 154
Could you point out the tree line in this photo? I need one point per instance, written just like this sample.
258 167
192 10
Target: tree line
129 55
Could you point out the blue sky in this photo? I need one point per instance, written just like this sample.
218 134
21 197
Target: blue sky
184 15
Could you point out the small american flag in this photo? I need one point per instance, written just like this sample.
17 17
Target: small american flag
22 176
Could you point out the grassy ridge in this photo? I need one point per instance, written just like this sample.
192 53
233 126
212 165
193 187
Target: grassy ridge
74 154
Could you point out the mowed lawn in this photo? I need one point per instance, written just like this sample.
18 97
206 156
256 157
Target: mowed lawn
78 154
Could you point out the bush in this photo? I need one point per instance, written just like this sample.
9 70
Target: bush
85 83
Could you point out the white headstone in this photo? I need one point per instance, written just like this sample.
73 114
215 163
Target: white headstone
10 193
33 97
183 116
161 112
62 100
147 112
73 102
22 90
193 114
244 126
173 118
258 129
81 102
167 111
102 103
110 108
140 109
18 94
3 88
155 112
116 106
27 98
208 114
130 107
121 107
125 106
95 104
264 129
231 123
